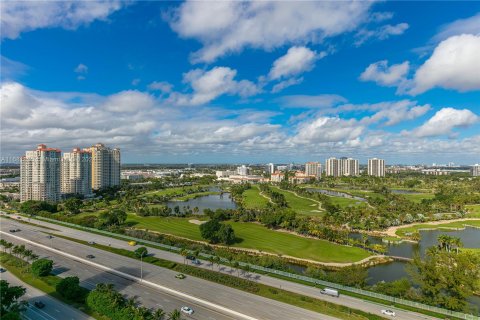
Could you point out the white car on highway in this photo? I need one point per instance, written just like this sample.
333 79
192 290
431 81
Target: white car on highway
388 312
187 310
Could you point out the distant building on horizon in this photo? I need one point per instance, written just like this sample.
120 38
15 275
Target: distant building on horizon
376 167
105 166
40 174
475 170
243 170
342 167
76 169
270 168
313 169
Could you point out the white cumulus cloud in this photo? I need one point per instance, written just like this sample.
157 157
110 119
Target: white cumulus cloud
444 121
208 85
225 27
454 64
297 60
383 74
23 16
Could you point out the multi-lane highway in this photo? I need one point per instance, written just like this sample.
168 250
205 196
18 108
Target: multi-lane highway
53 309
159 287
356 303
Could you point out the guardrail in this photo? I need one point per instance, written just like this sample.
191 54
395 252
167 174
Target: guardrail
313 281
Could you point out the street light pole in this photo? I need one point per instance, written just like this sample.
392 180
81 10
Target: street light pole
141 267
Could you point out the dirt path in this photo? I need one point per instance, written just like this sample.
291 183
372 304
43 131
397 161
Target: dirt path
392 230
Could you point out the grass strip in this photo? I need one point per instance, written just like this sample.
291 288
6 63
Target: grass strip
281 295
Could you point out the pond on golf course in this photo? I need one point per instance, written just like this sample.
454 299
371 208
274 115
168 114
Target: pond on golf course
333 193
212 201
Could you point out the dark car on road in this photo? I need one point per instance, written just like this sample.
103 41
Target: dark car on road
39 304
90 256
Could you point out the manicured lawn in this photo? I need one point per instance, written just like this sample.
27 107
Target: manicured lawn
253 200
418 197
453 225
300 205
254 236
345 202
473 210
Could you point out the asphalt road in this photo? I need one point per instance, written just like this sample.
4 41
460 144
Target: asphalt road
352 302
53 310
249 305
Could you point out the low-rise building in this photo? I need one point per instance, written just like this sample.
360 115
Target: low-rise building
277 177
299 177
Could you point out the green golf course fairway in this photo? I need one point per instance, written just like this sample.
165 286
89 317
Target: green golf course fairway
255 236
300 205
253 200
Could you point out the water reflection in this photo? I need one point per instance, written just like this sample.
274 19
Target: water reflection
213 202
336 194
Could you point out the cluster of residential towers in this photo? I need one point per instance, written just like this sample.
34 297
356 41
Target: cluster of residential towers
46 174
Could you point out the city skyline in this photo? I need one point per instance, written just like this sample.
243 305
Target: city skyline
170 88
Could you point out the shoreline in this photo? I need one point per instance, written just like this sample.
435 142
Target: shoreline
391 231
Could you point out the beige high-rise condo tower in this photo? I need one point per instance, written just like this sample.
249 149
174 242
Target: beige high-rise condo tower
313 169
105 166
77 172
40 174
342 167
376 167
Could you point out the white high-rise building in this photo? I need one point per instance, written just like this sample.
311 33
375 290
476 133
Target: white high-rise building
313 169
270 168
476 170
77 172
376 167
341 167
40 174
243 170
332 167
105 166
349 167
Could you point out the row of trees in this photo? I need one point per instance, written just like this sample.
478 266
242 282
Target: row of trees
105 300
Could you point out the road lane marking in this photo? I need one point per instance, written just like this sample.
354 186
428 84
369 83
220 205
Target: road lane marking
137 279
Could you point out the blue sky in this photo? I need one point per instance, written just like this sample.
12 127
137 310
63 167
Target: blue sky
242 81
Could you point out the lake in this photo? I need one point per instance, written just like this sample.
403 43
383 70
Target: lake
395 270
213 202
335 194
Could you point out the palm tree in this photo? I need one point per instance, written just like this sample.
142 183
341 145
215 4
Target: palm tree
211 259
175 315
457 242
159 314
184 254
9 246
217 261
442 241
